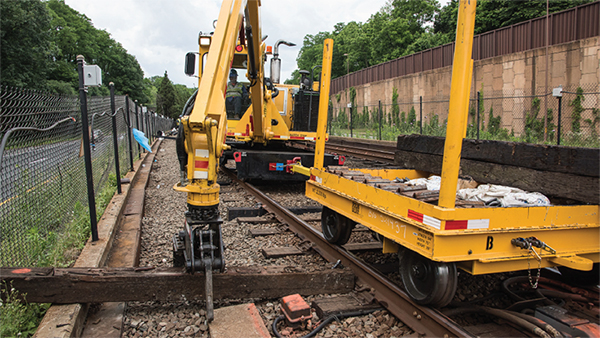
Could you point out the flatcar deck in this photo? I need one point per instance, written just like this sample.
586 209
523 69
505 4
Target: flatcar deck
478 239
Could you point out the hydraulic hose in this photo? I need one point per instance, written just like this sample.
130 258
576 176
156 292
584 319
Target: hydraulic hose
274 93
506 315
538 322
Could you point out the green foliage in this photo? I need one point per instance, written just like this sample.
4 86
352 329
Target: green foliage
494 14
577 110
395 108
26 44
493 122
340 121
352 95
182 94
593 122
60 87
17 317
166 98
40 44
534 127
353 110
403 27
433 127
73 34
407 124
412 116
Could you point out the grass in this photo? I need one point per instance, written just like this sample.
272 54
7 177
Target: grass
19 318
58 248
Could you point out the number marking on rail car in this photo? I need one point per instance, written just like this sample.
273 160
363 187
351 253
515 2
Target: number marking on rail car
393 224
319 193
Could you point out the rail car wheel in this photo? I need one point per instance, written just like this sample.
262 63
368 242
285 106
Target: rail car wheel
336 228
427 282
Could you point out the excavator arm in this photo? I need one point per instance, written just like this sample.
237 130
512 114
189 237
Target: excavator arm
203 131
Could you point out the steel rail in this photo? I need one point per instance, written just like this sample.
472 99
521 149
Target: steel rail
358 149
426 322
368 153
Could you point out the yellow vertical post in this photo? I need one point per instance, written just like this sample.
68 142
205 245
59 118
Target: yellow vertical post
460 88
323 103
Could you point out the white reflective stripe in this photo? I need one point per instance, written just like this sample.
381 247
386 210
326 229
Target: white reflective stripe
432 221
318 179
237 134
478 224
309 138
202 153
200 174
284 137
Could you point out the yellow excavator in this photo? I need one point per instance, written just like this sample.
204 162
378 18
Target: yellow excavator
237 42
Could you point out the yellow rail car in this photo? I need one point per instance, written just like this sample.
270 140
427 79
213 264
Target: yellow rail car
434 240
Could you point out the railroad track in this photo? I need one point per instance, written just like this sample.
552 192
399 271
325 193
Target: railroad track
381 151
424 321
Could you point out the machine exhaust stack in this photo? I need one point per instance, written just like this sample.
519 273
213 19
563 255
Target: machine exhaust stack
276 61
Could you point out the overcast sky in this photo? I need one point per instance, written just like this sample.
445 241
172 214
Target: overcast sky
160 32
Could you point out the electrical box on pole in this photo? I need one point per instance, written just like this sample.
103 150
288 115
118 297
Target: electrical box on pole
92 76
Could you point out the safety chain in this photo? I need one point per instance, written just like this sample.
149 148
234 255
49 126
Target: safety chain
534 285
528 244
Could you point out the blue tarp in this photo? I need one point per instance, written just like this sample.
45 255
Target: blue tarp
141 139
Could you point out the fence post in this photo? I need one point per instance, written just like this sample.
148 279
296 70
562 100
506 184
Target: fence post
421 114
557 92
142 127
86 150
128 120
137 125
154 131
478 103
114 130
559 118
351 108
150 127
329 117
379 118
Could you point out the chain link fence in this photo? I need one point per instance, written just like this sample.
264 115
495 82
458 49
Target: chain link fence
571 120
42 171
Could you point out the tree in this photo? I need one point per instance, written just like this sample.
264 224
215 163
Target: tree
165 98
74 34
494 14
151 85
26 43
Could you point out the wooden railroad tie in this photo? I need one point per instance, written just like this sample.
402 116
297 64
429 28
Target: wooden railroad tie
281 252
98 285
257 220
326 307
368 246
263 232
